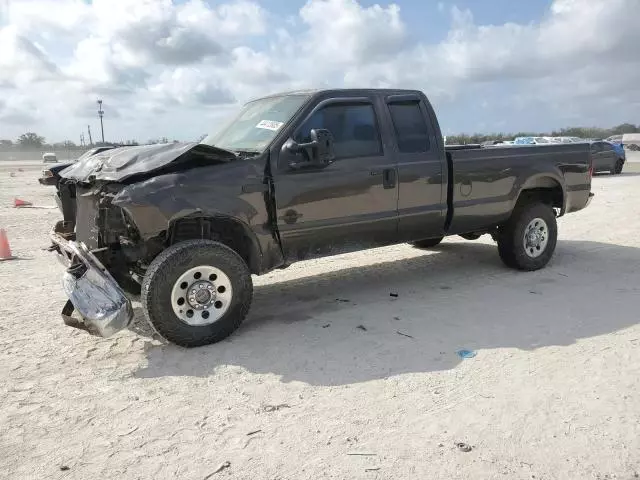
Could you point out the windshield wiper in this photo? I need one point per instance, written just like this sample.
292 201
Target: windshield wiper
246 152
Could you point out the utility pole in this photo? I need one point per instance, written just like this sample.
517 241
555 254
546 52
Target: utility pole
82 139
90 139
101 114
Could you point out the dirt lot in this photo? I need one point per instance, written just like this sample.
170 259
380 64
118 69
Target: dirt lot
301 392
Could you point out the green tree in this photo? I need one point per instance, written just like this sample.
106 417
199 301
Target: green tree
30 139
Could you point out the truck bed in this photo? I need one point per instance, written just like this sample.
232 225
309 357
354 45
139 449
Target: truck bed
487 180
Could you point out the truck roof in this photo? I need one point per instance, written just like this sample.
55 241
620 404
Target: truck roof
342 91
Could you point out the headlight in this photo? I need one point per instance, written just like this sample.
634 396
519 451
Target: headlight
47 173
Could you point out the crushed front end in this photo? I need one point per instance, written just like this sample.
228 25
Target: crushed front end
88 243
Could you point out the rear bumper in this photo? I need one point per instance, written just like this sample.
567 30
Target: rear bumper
591 195
103 306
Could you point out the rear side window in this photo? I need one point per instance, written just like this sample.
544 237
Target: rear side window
607 148
410 127
354 128
596 147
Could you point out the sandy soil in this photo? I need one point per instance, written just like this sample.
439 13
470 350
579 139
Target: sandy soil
301 392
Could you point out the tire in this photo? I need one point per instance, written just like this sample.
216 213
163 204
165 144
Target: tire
427 243
161 285
511 241
617 168
471 236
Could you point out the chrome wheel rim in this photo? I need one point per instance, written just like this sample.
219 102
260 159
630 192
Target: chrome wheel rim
201 295
536 238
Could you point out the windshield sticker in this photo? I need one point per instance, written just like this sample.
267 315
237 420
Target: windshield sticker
269 125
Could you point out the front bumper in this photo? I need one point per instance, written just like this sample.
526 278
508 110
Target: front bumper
92 291
47 180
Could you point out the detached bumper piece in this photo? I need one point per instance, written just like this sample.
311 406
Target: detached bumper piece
102 305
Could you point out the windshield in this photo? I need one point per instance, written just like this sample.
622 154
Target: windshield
257 124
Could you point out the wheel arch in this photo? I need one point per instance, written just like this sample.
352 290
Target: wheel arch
222 228
548 188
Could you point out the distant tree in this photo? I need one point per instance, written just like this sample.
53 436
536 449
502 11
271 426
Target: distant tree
30 139
625 128
6 143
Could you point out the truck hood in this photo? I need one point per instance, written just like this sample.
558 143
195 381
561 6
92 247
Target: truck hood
122 163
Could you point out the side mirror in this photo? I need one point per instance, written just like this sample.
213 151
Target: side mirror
319 152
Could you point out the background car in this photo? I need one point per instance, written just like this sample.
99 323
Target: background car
49 157
606 157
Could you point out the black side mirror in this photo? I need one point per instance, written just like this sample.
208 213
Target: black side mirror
319 151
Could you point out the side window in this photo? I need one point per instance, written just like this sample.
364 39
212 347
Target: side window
607 148
596 147
354 128
410 126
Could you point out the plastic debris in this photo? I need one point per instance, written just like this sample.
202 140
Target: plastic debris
466 353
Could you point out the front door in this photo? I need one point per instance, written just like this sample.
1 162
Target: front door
349 204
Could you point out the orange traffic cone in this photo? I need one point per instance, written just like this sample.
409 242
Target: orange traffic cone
5 249
17 203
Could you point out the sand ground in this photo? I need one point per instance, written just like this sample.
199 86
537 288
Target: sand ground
301 392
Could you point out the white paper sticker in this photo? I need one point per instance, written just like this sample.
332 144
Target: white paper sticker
269 125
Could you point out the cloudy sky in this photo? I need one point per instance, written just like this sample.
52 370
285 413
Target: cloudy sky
178 68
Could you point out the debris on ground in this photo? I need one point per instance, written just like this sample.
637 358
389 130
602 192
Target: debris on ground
343 300
253 432
464 447
275 408
466 353
362 454
403 334
64 468
221 467
372 469
394 295
129 432
362 327
327 325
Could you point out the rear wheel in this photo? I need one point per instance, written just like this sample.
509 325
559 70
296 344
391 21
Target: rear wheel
617 168
196 292
427 243
528 240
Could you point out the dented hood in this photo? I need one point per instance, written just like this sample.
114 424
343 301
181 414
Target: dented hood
122 163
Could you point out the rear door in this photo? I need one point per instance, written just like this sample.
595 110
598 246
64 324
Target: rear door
352 201
598 156
609 155
421 196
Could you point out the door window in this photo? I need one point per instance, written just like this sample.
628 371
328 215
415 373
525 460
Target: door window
354 128
410 127
596 147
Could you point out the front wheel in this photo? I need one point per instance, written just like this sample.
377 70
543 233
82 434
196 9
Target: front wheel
196 292
528 240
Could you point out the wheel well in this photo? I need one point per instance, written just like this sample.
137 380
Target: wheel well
225 230
544 189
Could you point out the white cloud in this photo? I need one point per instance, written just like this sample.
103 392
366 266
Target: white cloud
193 59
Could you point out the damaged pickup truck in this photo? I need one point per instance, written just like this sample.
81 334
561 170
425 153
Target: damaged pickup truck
292 176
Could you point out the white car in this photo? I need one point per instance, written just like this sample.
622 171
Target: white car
49 157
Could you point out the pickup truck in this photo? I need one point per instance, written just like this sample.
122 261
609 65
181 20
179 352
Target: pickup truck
292 176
